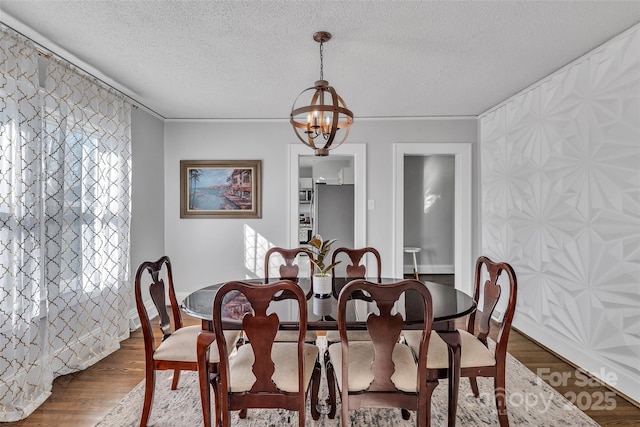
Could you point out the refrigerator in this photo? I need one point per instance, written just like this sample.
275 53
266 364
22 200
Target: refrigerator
333 214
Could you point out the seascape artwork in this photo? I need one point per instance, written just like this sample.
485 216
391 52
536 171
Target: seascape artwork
220 189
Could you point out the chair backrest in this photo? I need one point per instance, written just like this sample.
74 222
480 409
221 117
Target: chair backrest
260 326
157 290
288 270
385 328
491 291
355 269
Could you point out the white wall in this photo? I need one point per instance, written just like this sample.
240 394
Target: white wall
561 203
147 195
206 251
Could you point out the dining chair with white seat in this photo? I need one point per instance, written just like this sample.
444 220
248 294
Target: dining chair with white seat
354 269
177 350
476 359
264 373
381 372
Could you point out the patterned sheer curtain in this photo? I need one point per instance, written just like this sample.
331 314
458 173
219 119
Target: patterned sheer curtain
65 168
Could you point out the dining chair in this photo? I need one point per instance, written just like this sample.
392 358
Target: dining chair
382 372
177 350
288 270
476 359
354 270
265 373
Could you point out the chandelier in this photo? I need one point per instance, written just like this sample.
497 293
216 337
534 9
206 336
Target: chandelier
325 116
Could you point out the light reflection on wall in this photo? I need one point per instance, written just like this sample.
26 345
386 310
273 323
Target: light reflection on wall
433 173
255 249
429 199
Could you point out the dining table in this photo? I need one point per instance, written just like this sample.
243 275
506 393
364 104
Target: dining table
449 304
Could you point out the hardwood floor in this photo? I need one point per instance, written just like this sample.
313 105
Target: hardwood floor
83 398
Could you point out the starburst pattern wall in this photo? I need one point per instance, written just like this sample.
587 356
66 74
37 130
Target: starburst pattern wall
561 202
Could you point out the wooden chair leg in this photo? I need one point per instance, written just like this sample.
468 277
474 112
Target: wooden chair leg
474 386
216 405
176 378
206 373
431 386
423 414
149 385
315 387
242 414
424 417
344 398
205 398
225 417
501 399
302 410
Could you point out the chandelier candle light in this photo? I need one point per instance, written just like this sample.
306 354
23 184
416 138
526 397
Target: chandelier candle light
317 124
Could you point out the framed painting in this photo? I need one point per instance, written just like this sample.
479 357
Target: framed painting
220 189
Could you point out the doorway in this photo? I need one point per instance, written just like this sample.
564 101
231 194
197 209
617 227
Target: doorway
429 206
462 239
299 156
326 199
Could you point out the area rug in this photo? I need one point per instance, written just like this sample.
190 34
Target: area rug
531 402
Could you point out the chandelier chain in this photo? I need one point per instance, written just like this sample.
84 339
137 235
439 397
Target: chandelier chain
321 61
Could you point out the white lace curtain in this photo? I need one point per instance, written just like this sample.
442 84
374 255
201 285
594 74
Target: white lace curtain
65 183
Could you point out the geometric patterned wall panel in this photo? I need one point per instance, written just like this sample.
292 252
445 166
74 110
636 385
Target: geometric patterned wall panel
560 180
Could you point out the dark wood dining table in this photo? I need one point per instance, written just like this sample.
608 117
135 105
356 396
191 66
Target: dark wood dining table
449 304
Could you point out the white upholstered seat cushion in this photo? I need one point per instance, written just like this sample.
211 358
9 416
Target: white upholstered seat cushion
473 353
181 345
284 357
334 336
361 355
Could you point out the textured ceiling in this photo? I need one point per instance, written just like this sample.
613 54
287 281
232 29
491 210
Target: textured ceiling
250 59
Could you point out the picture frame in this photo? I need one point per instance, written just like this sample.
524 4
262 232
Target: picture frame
220 189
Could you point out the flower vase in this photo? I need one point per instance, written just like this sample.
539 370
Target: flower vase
322 284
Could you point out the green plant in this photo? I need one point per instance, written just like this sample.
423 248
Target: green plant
319 250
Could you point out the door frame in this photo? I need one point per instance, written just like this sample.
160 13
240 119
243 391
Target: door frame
463 205
359 153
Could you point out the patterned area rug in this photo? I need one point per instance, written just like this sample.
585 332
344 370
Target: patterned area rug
531 402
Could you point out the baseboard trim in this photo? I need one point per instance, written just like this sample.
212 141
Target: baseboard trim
430 269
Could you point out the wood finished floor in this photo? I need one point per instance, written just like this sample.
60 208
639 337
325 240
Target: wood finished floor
84 398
